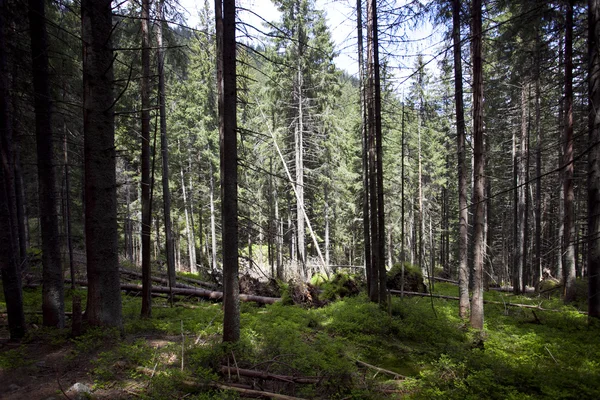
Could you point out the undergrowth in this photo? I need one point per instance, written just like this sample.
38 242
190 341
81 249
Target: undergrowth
522 353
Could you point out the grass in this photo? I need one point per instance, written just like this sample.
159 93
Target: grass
522 354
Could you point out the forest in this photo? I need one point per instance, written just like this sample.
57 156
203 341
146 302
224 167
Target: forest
210 204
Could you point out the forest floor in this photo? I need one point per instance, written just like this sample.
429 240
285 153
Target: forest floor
349 349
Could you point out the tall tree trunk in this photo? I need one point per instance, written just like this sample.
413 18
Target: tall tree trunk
463 211
594 160
145 162
213 229
53 304
370 101
22 223
188 227
226 73
327 261
194 255
68 211
379 150
521 207
9 268
402 178
104 290
478 169
164 147
537 267
299 151
569 232
364 134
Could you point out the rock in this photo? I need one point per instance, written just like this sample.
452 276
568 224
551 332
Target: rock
13 388
79 391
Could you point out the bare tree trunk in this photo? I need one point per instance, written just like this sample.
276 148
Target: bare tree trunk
68 211
226 73
53 304
373 203
9 268
299 151
213 230
594 161
170 255
463 211
379 151
145 162
365 146
569 232
188 227
538 183
478 169
104 293
327 262
194 256
521 207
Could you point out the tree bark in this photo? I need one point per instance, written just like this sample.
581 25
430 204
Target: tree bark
463 211
374 294
538 183
569 229
379 151
365 145
594 160
146 311
478 169
104 295
53 304
170 255
521 206
226 74
9 268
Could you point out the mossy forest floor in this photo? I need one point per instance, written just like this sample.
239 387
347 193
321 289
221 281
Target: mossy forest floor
523 353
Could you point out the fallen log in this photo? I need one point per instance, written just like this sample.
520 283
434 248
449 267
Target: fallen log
439 296
166 281
199 292
252 392
251 373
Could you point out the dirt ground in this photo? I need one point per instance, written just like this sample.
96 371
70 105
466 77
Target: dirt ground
46 371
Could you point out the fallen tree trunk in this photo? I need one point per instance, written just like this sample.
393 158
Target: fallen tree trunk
196 292
535 307
267 375
166 281
199 292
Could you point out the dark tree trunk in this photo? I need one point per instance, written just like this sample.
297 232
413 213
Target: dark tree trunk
53 305
9 268
164 150
569 230
463 211
370 105
379 150
537 267
594 160
478 169
226 81
521 206
145 162
365 145
104 294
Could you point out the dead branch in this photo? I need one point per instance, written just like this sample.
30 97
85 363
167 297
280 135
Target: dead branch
387 371
439 296
267 375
